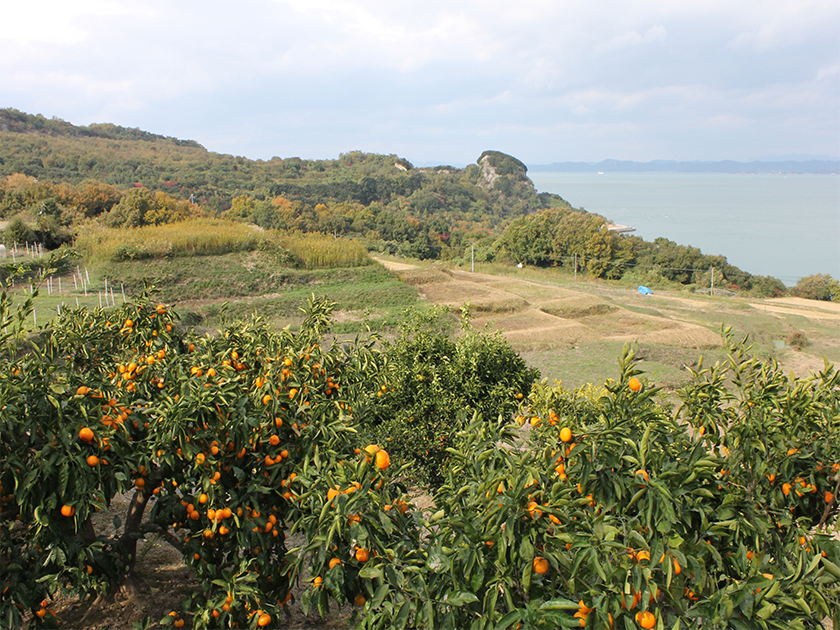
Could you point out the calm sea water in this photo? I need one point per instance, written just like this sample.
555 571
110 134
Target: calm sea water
786 226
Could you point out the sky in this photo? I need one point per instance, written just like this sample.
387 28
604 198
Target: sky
439 81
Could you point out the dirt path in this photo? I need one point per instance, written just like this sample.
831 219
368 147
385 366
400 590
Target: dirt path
394 266
812 309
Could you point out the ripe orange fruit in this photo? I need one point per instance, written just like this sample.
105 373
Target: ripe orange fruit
362 554
128 323
534 508
565 434
274 440
92 460
202 498
383 460
67 510
359 600
266 399
86 434
371 449
140 483
540 565
634 384
317 581
829 496
334 563
83 391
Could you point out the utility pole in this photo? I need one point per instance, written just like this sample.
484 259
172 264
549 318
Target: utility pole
712 269
472 258
575 267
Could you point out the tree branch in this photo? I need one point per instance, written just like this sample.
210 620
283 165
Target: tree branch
163 533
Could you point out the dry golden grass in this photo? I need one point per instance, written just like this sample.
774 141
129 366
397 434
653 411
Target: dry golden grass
417 277
200 237
458 293
213 237
318 251
575 307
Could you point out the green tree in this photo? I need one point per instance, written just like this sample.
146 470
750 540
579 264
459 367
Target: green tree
819 286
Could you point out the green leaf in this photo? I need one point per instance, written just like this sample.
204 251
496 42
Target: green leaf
380 595
402 615
371 573
508 620
459 599
559 604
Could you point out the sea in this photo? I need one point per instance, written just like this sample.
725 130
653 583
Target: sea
780 225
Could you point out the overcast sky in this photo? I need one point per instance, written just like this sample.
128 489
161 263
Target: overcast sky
439 81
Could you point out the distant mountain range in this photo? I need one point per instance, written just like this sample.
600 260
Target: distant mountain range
762 165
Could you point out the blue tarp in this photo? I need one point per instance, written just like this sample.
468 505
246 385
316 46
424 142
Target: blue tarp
645 291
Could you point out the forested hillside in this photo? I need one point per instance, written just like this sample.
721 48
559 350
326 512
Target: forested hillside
57 178
377 197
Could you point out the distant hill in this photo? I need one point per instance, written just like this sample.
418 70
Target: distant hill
665 166
384 199
53 150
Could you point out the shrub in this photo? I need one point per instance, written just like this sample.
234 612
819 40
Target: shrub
430 385
820 286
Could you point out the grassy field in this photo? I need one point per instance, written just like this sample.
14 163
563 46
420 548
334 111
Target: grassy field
207 289
573 330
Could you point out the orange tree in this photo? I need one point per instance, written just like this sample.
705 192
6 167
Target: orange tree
430 383
221 435
615 513
618 514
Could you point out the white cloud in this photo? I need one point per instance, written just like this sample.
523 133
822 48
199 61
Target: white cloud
36 21
633 38
827 71
277 76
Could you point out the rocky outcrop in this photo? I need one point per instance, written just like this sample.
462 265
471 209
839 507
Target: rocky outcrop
488 174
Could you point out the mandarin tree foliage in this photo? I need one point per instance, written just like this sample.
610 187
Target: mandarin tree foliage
430 385
615 513
216 439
